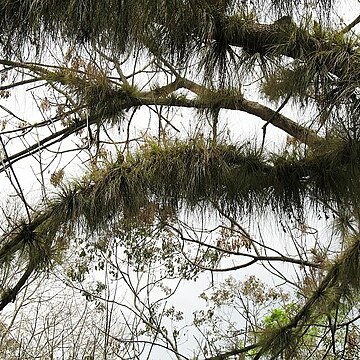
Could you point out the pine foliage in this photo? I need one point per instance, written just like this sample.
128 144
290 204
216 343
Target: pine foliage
193 173
298 60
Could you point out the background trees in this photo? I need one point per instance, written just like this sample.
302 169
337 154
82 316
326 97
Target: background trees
129 121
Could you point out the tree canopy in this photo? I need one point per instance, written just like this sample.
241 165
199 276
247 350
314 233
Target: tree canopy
149 100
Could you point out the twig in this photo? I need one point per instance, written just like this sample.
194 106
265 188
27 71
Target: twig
270 120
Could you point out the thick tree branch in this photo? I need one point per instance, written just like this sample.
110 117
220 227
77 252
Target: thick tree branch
334 283
351 25
11 294
301 133
285 38
267 38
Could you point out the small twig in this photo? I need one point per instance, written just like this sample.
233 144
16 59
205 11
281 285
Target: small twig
17 187
23 82
271 118
161 117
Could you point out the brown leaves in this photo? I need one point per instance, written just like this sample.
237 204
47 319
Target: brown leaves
57 177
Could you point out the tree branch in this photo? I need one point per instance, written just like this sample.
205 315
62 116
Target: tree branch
233 352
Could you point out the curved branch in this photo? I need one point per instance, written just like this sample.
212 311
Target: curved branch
210 99
336 281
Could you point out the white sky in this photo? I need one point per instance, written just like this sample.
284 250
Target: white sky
241 125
